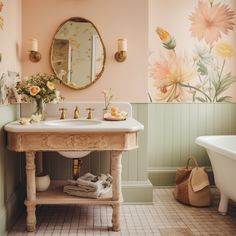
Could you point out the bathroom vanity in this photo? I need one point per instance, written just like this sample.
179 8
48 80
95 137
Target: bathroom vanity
114 136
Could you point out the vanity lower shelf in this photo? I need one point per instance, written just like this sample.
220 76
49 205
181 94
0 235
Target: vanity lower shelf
55 195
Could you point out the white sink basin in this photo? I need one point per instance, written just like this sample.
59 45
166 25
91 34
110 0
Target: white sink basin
54 126
98 125
74 154
73 122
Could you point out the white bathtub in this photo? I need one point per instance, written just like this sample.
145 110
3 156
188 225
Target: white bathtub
222 154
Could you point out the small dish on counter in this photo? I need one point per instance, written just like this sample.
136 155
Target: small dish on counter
118 117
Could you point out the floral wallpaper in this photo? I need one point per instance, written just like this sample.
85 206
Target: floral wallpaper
8 93
8 78
1 23
200 67
1 17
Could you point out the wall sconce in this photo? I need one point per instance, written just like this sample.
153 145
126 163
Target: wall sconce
121 54
34 54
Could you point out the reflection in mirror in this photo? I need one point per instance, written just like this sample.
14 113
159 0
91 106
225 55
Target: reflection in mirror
77 53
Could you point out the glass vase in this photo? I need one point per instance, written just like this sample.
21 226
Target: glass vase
40 108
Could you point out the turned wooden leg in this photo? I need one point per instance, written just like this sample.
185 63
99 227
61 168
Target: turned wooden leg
116 217
116 188
31 191
31 217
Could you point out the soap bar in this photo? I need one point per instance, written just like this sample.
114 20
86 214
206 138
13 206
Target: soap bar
114 111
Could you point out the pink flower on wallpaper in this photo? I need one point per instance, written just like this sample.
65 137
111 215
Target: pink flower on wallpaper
170 74
209 21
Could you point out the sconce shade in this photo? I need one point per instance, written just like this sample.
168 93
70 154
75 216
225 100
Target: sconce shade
34 54
122 45
121 53
34 45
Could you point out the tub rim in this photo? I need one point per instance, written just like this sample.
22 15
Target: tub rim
206 142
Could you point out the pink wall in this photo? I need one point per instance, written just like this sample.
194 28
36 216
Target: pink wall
113 19
10 36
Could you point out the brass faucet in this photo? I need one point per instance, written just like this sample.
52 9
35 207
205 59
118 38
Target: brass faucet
76 113
90 114
63 115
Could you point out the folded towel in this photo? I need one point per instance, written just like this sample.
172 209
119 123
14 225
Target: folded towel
86 185
89 185
107 179
90 182
199 179
74 191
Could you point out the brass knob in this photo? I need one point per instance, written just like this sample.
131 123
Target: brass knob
63 115
90 114
76 113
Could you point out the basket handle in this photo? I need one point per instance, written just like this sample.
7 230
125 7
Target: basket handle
194 160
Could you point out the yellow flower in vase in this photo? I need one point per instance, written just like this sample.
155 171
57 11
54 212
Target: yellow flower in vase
39 88
34 90
50 85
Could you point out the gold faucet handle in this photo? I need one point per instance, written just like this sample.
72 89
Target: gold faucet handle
63 115
76 113
90 114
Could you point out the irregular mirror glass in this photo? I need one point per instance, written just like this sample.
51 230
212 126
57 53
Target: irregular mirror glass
77 53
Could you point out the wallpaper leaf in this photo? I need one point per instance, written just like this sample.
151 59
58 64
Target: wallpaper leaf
202 69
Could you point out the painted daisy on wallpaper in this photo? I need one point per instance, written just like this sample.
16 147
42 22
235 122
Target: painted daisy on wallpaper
201 76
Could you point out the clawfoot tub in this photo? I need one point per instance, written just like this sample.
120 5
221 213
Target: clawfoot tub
222 153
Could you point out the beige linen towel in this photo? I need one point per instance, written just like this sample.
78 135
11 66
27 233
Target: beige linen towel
89 185
198 188
199 179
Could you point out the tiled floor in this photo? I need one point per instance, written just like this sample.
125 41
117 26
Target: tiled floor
166 217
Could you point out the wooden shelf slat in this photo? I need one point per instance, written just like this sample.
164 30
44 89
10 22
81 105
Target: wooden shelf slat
55 195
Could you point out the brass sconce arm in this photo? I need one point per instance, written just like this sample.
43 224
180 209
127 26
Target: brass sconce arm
121 56
35 56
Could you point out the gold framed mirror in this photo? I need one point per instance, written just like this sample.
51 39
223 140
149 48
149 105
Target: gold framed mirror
77 53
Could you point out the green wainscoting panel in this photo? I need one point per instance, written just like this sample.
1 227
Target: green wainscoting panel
172 129
165 144
11 194
137 192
